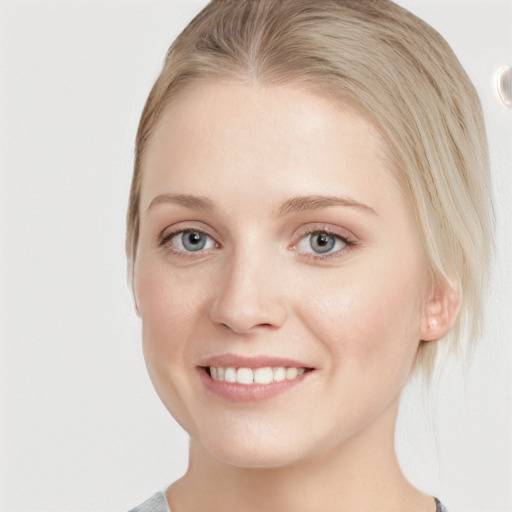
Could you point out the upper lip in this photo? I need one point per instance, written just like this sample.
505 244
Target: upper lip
238 361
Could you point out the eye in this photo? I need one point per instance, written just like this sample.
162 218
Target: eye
322 243
189 241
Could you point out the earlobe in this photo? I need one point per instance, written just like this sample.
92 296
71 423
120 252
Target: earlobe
441 311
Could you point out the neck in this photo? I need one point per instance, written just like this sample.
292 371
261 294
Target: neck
361 474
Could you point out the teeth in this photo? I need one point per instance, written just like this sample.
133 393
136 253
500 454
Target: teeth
263 376
250 376
279 374
229 375
291 373
244 376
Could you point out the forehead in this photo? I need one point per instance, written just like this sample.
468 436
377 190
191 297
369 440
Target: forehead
283 137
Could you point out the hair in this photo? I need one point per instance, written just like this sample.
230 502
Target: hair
399 73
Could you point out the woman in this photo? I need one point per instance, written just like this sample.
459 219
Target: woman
309 219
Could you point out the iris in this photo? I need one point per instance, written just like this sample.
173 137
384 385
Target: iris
322 243
193 240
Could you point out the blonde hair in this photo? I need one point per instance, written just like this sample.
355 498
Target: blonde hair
394 69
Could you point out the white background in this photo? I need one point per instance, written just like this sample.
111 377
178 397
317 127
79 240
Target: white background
80 426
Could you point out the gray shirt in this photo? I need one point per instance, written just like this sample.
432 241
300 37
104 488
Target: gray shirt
158 503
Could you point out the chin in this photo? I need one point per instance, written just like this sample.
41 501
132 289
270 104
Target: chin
252 458
258 447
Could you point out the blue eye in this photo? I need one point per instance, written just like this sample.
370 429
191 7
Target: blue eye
321 243
189 241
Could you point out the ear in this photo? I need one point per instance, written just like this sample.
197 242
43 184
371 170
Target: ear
136 308
133 293
440 311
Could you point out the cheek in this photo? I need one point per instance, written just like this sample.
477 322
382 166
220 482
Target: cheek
166 298
169 305
367 317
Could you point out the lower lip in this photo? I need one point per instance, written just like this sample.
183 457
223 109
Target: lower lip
234 392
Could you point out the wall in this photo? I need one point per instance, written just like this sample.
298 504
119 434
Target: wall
80 426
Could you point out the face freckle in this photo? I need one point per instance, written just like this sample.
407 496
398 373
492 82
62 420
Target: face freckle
298 247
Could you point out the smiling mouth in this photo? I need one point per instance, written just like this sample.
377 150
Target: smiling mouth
254 376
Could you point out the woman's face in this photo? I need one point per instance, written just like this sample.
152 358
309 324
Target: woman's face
273 238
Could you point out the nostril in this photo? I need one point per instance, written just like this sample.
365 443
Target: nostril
239 328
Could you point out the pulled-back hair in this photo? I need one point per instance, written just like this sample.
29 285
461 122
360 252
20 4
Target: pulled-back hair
399 73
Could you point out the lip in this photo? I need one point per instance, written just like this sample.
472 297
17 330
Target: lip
237 361
239 393
234 392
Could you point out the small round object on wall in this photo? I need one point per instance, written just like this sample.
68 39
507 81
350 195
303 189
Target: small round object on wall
504 82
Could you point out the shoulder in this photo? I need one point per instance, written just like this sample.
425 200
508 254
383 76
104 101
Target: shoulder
157 503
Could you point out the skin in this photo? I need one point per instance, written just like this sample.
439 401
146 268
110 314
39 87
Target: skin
356 315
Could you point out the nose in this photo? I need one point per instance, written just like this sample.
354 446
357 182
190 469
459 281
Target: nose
249 296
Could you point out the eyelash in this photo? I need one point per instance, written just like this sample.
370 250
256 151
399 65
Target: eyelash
165 239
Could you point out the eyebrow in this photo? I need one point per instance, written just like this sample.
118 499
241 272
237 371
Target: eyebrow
188 201
316 202
293 205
